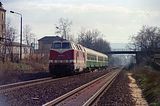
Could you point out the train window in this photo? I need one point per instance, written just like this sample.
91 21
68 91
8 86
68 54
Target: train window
77 47
100 58
65 45
84 49
57 45
91 57
74 46
80 48
105 59
88 57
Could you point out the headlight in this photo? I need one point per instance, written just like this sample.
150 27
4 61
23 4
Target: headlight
50 61
67 61
72 61
55 61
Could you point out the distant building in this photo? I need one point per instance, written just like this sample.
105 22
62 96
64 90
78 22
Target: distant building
12 51
2 31
2 22
45 43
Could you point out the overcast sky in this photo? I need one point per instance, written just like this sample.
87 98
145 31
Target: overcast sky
116 19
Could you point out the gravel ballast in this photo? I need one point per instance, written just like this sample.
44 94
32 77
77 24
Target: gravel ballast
39 94
118 94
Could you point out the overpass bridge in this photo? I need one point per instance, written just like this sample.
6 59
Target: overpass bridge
122 51
127 51
137 53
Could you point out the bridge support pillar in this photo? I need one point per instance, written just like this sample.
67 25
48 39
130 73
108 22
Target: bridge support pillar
137 58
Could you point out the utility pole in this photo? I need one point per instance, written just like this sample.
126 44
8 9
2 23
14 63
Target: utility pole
20 32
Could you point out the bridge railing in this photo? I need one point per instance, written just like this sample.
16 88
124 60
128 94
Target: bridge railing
124 50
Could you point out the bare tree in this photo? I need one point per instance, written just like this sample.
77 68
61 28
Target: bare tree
147 39
28 35
102 45
92 39
88 37
63 28
10 31
11 35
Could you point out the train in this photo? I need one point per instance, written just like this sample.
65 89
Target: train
67 57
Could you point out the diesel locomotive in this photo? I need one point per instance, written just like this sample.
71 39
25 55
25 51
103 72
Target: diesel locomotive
67 57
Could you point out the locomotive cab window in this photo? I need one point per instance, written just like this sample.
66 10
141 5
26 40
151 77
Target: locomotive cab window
56 45
65 45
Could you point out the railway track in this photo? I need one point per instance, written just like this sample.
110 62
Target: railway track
10 87
86 94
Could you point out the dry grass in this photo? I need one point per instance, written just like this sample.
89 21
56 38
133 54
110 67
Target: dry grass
37 62
149 81
12 72
28 65
9 67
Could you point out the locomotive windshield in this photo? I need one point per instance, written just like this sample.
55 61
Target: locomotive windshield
59 45
65 45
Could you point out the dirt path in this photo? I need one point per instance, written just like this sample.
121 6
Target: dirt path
136 92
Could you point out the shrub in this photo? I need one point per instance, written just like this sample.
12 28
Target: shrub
149 80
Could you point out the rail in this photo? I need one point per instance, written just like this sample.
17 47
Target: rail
107 81
9 87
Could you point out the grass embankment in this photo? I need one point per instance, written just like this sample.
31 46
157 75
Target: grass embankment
149 81
29 68
31 64
22 67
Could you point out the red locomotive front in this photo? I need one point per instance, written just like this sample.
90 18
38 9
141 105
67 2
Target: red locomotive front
61 58
66 58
